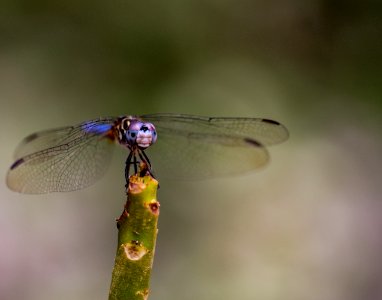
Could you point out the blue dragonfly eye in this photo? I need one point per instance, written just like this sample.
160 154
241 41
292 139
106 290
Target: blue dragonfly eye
131 136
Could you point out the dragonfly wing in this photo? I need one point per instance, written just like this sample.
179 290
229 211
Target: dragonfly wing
63 159
198 156
264 131
54 137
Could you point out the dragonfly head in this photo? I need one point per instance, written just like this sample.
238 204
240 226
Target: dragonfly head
138 133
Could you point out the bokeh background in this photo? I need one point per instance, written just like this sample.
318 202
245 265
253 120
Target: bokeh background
306 227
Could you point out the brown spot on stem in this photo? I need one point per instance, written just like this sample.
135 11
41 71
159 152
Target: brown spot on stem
124 215
154 207
136 186
144 294
134 250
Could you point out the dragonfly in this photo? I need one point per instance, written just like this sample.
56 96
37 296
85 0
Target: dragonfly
171 145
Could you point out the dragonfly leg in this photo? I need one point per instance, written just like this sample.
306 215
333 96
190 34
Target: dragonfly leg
145 167
146 160
127 167
135 164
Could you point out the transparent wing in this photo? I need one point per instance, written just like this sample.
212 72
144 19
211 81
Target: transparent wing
54 137
71 158
265 131
196 156
63 159
198 147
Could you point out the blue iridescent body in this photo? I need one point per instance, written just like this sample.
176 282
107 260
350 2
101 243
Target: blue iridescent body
73 157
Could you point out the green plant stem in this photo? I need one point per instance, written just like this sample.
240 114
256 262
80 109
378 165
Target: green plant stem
137 231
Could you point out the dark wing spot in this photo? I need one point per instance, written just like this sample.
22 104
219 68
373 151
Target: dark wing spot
253 142
17 163
31 137
271 121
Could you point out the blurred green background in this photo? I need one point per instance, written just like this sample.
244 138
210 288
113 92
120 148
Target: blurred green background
306 227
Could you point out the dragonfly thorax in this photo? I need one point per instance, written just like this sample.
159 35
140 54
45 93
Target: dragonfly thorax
134 133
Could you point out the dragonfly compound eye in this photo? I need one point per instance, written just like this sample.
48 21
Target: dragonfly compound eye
146 135
144 128
131 136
